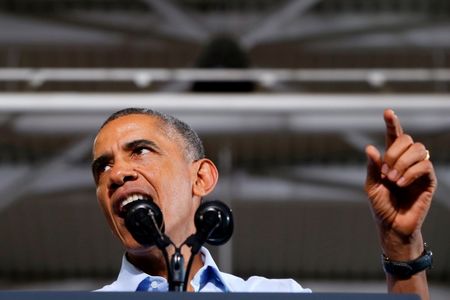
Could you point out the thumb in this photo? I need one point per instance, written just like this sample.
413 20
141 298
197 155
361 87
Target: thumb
374 163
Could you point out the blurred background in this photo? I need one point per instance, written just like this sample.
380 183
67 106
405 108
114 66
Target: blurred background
285 95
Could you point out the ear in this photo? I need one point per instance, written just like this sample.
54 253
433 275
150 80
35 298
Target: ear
206 177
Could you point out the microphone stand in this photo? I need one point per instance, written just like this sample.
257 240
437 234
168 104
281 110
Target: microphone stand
196 241
180 277
175 268
177 276
177 272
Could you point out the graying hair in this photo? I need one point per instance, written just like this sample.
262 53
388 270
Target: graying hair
193 145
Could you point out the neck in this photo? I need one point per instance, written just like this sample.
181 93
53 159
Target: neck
153 263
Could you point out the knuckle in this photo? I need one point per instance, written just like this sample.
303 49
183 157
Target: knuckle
400 165
419 147
389 158
407 138
428 166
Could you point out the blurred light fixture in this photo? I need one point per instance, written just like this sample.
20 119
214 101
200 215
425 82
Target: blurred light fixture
142 80
376 79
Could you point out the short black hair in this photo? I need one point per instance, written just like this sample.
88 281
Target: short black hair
193 145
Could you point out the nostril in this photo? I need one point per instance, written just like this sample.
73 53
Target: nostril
130 177
118 180
114 186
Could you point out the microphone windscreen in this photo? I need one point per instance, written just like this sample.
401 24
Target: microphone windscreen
144 220
206 218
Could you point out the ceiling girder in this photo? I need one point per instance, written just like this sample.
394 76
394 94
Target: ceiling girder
23 180
295 183
182 23
275 22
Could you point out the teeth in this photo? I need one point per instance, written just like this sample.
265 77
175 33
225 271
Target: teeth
132 198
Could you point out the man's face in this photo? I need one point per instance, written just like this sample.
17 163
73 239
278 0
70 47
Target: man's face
135 155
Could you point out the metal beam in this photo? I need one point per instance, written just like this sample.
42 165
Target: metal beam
314 28
183 24
143 77
26 178
359 140
318 182
336 104
273 23
215 113
29 30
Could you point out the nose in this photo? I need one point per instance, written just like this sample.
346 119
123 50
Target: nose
120 174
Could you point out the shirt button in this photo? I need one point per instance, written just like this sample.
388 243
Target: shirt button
154 285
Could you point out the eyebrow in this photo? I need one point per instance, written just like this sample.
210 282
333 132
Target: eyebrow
142 142
128 146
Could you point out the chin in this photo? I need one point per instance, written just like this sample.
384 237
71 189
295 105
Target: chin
133 246
139 250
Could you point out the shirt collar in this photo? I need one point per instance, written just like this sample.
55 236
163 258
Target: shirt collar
130 276
209 273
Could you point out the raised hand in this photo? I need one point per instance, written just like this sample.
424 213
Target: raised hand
400 185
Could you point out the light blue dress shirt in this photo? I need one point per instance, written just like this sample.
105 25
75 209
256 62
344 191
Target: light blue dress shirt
207 279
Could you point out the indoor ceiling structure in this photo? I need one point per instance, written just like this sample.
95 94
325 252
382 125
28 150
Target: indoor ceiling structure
348 35
285 95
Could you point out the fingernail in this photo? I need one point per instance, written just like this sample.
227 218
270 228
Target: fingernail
401 181
393 174
384 169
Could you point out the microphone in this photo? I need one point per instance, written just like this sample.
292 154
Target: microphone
144 220
214 223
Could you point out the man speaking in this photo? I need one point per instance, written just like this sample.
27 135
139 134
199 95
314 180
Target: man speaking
144 155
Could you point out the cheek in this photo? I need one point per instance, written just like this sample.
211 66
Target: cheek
180 204
101 198
179 184
173 184
107 212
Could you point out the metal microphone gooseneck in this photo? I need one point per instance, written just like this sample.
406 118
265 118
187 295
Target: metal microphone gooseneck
214 225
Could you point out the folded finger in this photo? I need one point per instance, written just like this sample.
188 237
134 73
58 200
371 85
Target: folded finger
420 169
393 153
414 154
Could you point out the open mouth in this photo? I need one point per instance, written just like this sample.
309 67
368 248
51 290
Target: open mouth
130 199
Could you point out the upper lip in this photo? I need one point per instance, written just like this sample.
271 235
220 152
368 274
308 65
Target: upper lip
119 197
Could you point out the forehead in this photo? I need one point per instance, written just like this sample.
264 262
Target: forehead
129 128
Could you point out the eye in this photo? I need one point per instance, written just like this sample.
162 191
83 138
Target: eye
102 167
141 150
99 167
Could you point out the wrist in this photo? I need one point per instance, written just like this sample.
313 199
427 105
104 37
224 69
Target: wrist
406 269
401 247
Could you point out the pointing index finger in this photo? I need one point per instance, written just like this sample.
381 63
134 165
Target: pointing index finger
393 127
